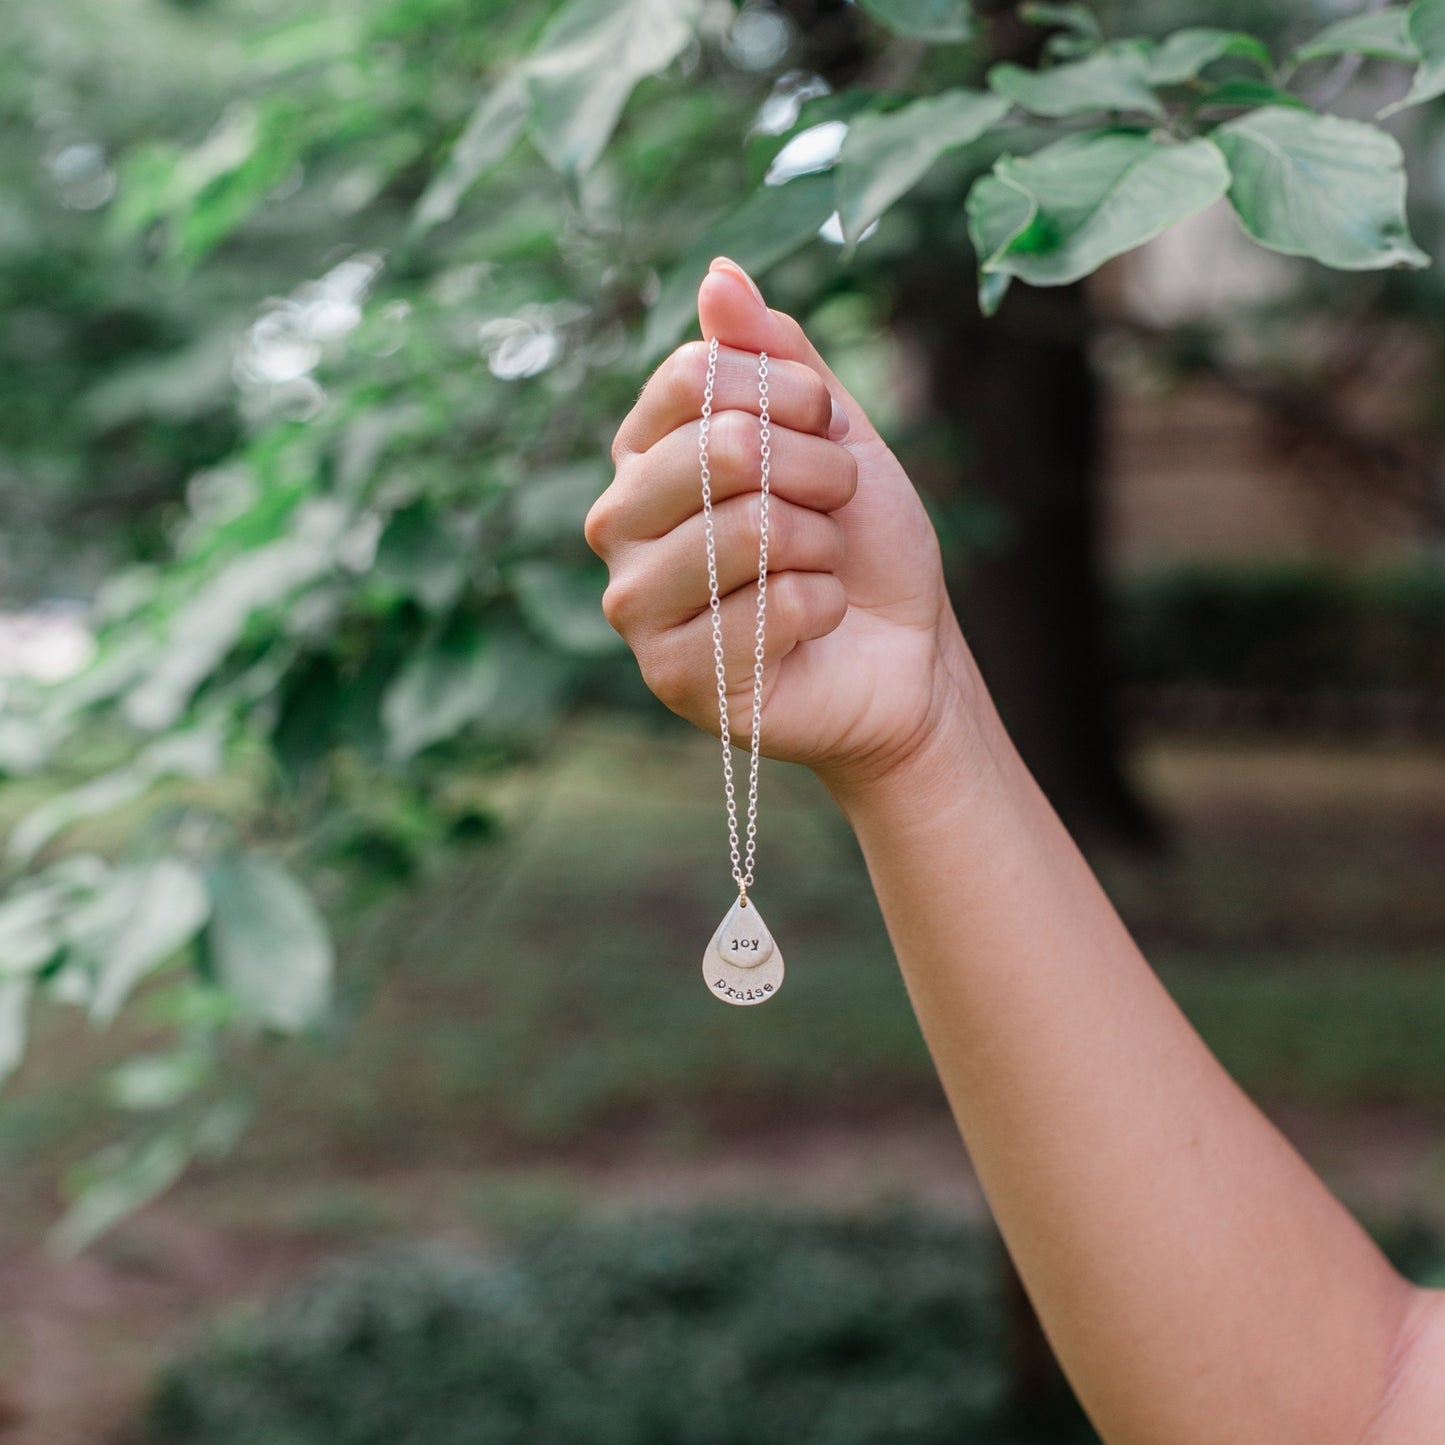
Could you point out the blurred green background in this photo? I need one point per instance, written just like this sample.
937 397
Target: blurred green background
354 885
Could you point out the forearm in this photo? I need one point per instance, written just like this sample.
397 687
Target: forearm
1197 1281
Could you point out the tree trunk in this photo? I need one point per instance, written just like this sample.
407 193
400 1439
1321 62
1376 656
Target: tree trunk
1020 392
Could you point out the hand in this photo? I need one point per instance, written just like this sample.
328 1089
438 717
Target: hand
863 656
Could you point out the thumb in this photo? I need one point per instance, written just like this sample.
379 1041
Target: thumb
731 307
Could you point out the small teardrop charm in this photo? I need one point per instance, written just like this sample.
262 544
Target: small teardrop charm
743 938
743 965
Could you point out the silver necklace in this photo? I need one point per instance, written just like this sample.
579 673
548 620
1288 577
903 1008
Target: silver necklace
742 964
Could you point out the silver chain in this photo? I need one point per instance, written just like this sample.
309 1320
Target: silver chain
743 858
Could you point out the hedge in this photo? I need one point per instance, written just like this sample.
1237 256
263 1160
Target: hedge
1299 628
719 1329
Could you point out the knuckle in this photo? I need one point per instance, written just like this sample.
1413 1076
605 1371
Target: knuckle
668 677
733 438
745 522
621 602
810 602
787 599
598 528
685 371
785 532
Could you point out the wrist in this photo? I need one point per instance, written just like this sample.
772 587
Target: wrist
957 748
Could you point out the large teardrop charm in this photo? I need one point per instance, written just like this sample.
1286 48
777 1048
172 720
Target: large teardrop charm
742 964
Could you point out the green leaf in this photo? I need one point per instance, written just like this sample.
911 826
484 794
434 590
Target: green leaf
486 141
14 1006
449 685
1319 186
1078 20
122 1179
140 918
111 1185
939 21
190 754
1425 30
550 506
999 212
1114 78
1183 55
886 154
1380 33
29 928
116 1182
587 64
1075 29
771 224
268 944
148 1082
210 623
1240 92
163 181
421 557
563 604
1054 217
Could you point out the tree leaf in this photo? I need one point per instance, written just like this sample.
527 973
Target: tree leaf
421 557
563 603
1114 78
29 929
148 1082
998 213
189 754
587 64
939 21
268 944
137 921
485 141
887 153
1317 185
1054 217
1380 33
1425 30
1241 92
14 1006
118 1181
446 687
211 622
1078 20
771 224
110 1186
550 507
1183 55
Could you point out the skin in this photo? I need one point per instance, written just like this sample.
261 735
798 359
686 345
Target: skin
1198 1282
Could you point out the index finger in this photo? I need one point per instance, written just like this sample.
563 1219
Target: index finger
797 396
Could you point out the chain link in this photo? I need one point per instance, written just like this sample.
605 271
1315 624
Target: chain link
744 855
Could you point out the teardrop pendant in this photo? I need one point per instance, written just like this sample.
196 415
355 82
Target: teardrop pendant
743 965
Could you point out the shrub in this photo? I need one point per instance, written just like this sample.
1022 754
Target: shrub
719 1329
1283 628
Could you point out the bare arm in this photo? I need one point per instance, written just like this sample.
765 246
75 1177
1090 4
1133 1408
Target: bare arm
1198 1282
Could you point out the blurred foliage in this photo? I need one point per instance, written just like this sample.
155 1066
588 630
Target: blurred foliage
1293 627
711 1329
721 1328
431 246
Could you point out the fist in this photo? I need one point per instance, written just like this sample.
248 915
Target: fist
861 653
